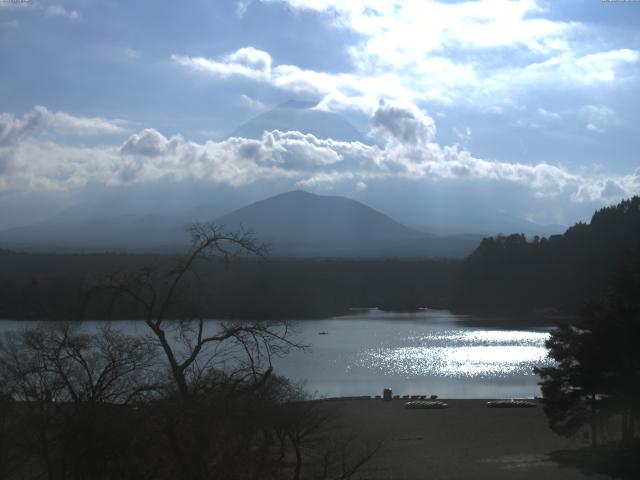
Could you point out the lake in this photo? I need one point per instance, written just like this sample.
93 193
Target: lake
423 353
430 352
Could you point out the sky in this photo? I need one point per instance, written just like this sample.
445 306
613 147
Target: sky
529 108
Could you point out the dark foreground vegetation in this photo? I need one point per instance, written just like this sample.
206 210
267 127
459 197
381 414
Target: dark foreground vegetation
92 407
187 401
595 381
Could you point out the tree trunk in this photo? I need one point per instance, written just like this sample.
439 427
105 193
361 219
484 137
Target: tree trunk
594 422
627 425
296 445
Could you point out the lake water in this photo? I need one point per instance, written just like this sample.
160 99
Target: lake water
423 353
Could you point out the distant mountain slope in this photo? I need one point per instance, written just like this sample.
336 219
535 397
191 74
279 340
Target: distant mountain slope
131 232
303 224
460 219
295 224
300 116
299 217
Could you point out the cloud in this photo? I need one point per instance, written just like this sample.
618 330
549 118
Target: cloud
569 69
430 77
548 114
131 53
594 128
463 135
338 91
608 189
242 7
393 25
40 119
150 143
599 117
13 130
408 151
405 125
252 103
247 62
59 11
475 53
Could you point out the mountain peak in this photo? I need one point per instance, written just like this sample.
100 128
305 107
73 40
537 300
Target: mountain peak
297 194
295 115
303 223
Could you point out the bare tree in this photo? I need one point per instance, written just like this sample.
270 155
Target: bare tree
74 394
218 368
163 292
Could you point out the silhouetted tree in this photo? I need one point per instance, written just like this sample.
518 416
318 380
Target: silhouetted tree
178 289
71 395
192 399
572 390
597 375
241 351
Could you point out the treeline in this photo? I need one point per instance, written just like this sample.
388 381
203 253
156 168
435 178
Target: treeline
511 274
57 286
504 275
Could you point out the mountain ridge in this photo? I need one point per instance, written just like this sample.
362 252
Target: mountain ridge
296 224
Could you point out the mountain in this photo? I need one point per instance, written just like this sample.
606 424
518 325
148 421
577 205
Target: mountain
299 223
73 231
294 224
301 117
460 219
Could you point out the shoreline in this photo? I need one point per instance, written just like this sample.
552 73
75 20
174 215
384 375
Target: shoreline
468 319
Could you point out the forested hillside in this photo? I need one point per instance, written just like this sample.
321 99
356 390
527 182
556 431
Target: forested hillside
510 274
54 286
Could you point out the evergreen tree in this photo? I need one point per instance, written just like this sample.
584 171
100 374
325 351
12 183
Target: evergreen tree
597 375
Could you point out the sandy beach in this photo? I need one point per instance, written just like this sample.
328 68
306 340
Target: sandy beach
467 440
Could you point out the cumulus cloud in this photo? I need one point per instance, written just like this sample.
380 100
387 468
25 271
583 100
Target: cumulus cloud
408 151
12 129
40 119
406 125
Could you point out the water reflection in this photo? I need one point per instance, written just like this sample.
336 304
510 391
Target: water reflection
426 352
477 361
476 353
